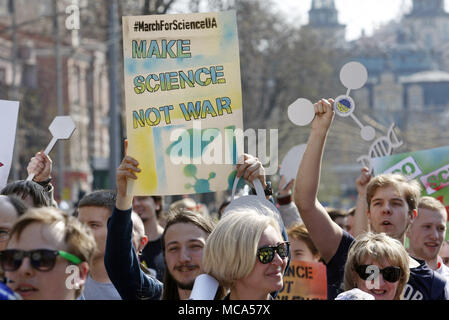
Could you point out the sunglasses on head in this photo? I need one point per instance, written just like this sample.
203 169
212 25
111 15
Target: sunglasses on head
40 259
266 254
390 274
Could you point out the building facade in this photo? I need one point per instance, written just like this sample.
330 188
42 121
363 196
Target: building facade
30 77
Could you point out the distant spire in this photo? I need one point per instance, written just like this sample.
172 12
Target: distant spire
323 4
323 13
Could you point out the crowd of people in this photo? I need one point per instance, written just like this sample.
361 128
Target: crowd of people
114 246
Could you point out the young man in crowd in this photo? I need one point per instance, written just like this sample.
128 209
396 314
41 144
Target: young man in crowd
33 194
391 207
94 210
426 235
48 254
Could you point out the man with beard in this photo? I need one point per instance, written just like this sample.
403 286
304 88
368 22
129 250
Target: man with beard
391 207
183 241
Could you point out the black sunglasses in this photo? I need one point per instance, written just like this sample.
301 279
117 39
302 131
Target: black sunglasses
266 254
390 274
40 259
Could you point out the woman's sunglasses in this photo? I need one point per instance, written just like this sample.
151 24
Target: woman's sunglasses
40 259
390 274
266 254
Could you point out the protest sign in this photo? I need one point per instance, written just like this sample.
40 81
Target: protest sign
61 127
430 167
8 123
183 101
290 164
304 281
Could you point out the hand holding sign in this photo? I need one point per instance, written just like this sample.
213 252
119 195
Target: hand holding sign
61 127
41 166
324 115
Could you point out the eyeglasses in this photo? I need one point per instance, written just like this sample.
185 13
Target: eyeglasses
41 259
266 254
390 274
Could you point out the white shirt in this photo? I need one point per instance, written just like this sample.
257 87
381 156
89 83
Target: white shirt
444 271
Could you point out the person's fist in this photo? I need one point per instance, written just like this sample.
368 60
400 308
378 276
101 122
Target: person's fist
250 168
324 114
362 181
127 169
41 166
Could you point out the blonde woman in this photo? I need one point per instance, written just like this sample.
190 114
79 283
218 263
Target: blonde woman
378 265
247 254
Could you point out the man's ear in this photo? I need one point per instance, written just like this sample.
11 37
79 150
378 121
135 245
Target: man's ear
413 215
83 268
142 242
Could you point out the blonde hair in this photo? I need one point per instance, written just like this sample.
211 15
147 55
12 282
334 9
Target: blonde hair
231 248
77 236
410 189
382 249
431 204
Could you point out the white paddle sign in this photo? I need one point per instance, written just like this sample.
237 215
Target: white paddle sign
61 127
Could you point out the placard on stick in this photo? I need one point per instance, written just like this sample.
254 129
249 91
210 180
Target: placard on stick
8 122
290 163
183 101
61 127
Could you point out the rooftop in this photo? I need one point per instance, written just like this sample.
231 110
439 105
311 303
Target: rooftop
426 76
